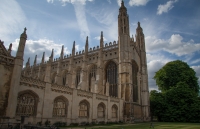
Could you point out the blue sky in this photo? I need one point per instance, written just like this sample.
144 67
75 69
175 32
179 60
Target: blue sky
171 27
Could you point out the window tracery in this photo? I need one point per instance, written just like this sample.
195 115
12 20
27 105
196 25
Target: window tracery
100 111
84 109
26 105
92 74
114 111
111 77
78 77
60 108
135 82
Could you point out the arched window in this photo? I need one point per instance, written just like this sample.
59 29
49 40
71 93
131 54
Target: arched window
134 81
84 109
64 78
78 77
92 74
114 111
101 110
27 104
60 107
111 77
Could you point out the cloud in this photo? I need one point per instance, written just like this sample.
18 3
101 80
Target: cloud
50 1
12 19
197 70
153 66
119 2
138 2
154 63
98 38
77 47
174 45
107 17
166 7
81 19
37 47
79 7
109 1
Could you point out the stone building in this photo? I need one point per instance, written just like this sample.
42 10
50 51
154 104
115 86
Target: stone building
103 83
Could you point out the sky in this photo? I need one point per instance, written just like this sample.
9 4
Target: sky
171 28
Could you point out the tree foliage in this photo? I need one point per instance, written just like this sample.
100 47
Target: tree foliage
179 104
178 100
174 72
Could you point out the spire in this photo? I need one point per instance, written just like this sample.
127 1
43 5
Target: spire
24 33
101 40
43 57
139 29
73 49
35 61
51 57
62 52
10 48
122 4
86 45
22 43
28 62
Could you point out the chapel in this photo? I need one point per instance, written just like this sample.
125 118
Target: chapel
106 83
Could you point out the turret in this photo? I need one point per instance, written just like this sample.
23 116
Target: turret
20 51
73 49
123 20
43 56
10 48
101 40
28 63
62 52
51 57
35 61
86 46
140 38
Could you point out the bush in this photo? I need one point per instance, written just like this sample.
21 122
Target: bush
74 124
39 123
120 122
101 122
60 124
93 123
47 122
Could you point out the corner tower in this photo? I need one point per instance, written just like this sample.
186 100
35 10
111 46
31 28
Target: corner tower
124 86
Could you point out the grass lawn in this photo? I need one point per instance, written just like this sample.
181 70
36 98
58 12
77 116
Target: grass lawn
157 125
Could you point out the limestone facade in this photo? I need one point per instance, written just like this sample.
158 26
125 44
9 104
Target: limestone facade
103 83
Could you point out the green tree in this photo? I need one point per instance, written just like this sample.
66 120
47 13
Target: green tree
182 104
173 73
158 104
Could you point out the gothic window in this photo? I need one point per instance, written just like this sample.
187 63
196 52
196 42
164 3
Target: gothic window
101 111
114 111
84 109
134 81
26 104
78 77
60 107
111 78
64 78
92 74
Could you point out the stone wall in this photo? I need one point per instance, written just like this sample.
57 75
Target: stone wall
74 97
